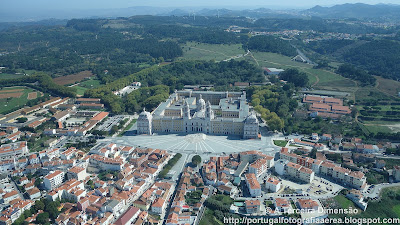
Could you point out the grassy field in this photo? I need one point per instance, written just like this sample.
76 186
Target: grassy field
7 104
320 78
10 76
269 59
372 128
20 71
209 218
388 86
88 84
38 145
280 143
387 207
201 51
344 202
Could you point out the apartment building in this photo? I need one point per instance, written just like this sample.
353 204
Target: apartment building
53 180
261 165
252 206
253 185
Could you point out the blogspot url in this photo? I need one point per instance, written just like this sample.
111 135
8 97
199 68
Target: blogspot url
299 221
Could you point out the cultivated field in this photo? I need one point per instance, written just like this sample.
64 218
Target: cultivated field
14 98
73 78
32 95
10 90
11 95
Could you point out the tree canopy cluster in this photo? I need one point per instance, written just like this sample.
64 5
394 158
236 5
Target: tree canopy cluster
48 216
271 44
175 76
379 57
169 165
329 46
349 71
274 103
294 76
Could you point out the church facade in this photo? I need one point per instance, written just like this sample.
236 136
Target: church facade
220 113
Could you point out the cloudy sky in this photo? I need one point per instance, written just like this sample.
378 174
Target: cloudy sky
98 4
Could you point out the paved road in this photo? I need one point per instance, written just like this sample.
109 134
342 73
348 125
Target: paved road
378 188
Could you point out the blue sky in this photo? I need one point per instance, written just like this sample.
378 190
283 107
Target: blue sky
98 4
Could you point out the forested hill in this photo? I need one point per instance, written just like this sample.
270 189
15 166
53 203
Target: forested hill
358 10
379 57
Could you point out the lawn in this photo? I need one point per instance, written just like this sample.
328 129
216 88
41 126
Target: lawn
217 52
87 84
9 104
280 143
127 127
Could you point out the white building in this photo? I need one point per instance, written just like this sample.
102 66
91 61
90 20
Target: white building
10 196
53 180
158 206
13 150
280 166
273 184
77 173
225 113
260 166
299 172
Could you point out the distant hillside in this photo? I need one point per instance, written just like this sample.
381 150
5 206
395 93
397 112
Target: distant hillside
358 11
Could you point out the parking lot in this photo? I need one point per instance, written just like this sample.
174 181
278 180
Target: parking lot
110 122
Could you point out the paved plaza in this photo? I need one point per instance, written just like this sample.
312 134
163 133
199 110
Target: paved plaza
198 143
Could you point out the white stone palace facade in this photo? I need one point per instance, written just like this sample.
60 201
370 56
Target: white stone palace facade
209 112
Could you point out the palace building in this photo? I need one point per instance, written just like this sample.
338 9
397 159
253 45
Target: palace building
209 112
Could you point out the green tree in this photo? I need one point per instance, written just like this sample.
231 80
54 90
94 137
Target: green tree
294 76
22 119
42 218
114 129
39 205
275 123
196 160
